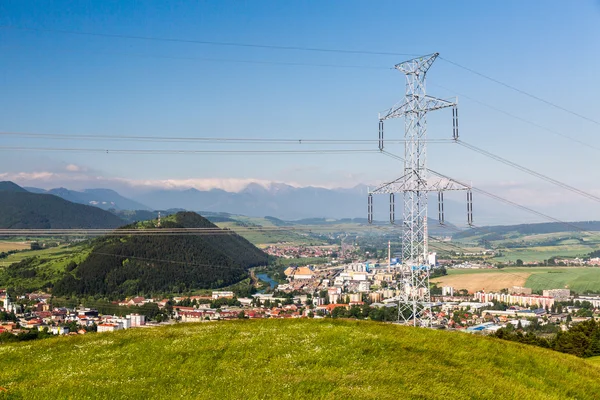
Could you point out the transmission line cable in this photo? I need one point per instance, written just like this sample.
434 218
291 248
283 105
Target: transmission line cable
300 48
498 198
185 151
207 42
220 140
527 170
523 92
499 110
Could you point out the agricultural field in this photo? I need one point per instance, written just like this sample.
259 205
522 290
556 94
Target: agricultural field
270 236
537 247
53 252
293 359
579 279
13 245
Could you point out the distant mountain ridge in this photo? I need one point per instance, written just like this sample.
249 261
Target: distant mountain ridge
101 198
20 209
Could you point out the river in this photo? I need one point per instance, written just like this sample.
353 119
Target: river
266 278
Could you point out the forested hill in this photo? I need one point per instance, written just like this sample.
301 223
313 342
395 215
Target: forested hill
20 209
148 264
496 232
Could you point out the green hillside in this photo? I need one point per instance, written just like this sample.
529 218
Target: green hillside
20 209
290 359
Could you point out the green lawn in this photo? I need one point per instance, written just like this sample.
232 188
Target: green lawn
290 359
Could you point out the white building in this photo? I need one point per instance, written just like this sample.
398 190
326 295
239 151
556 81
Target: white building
108 327
364 286
432 258
136 320
447 291
60 330
222 295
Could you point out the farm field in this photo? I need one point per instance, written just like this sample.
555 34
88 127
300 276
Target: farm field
9 245
293 359
540 253
578 279
53 252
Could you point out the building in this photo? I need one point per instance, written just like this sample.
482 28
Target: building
136 320
518 299
520 290
558 294
222 295
447 291
595 300
108 327
60 330
432 258
303 273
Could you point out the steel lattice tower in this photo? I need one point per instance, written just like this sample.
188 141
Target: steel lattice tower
415 299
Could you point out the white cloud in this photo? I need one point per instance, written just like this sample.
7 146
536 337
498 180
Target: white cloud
75 168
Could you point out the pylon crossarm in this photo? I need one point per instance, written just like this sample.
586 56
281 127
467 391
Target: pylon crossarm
433 103
395 186
447 184
397 111
403 184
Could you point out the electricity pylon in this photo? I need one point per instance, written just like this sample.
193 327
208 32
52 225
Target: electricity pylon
415 298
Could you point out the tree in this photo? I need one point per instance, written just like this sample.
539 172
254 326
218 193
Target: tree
241 315
519 262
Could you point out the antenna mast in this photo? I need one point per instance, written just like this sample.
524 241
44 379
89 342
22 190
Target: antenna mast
415 298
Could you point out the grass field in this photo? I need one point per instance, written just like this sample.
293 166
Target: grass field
267 237
290 359
540 253
578 279
8 245
594 360
45 253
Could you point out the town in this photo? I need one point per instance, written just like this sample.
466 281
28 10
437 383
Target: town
362 290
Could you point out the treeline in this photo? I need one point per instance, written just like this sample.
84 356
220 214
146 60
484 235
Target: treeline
581 340
125 266
497 232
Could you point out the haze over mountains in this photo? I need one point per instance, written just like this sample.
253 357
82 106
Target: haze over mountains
287 202
101 198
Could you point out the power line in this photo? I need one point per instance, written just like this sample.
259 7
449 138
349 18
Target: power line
297 48
523 92
568 137
528 171
207 42
498 198
192 139
186 151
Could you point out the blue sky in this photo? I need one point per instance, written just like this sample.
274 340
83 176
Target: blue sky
57 83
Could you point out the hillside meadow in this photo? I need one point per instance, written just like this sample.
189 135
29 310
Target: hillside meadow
290 359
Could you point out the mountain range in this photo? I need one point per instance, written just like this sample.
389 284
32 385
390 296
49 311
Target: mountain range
101 198
289 203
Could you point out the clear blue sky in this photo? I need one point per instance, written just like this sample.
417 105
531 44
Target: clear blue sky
76 84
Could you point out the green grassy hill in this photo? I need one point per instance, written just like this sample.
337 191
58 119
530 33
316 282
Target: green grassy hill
290 359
